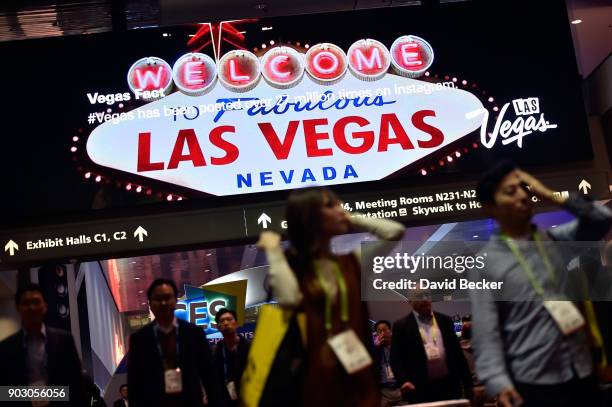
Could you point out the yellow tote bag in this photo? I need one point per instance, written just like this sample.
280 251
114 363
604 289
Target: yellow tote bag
272 326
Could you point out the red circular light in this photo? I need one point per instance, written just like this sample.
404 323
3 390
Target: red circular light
411 56
239 70
194 73
368 59
326 63
150 73
282 67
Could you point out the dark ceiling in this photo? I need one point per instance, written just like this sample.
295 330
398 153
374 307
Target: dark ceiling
23 19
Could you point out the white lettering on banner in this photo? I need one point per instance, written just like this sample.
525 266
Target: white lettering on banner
109 99
287 144
513 131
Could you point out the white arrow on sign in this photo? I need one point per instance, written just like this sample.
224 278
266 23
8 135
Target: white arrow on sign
11 247
264 219
140 233
584 186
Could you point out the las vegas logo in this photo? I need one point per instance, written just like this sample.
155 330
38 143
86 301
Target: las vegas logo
528 120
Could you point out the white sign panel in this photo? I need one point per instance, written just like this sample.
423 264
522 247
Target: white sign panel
267 139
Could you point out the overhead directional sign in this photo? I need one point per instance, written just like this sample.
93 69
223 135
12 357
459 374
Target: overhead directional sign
121 237
584 186
11 247
436 204
263 220
140 233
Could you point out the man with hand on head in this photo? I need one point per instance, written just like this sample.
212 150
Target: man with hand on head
389 388
531 351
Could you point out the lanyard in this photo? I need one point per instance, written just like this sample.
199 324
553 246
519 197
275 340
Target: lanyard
344 312
591 317
386 356
159 348
225 369
434 329
45 360
525 265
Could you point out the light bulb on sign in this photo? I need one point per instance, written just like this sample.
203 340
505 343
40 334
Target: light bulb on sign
239 70
194 73
282 67
150 74
326 63
368 59
411 56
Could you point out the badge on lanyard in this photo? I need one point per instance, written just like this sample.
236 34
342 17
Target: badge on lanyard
432 352
431 348
231 389
389 372
173 381
566 315
350 351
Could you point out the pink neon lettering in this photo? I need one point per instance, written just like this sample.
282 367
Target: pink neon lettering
234 76
409 57
149 77
325 55
194 73
369 63
275 62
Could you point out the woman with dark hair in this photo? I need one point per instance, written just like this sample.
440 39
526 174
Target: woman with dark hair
309 277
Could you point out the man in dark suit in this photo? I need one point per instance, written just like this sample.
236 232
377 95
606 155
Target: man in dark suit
231 354
169 360
123 401
39 355
426 357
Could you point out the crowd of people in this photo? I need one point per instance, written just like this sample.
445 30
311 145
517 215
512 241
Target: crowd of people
540 350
